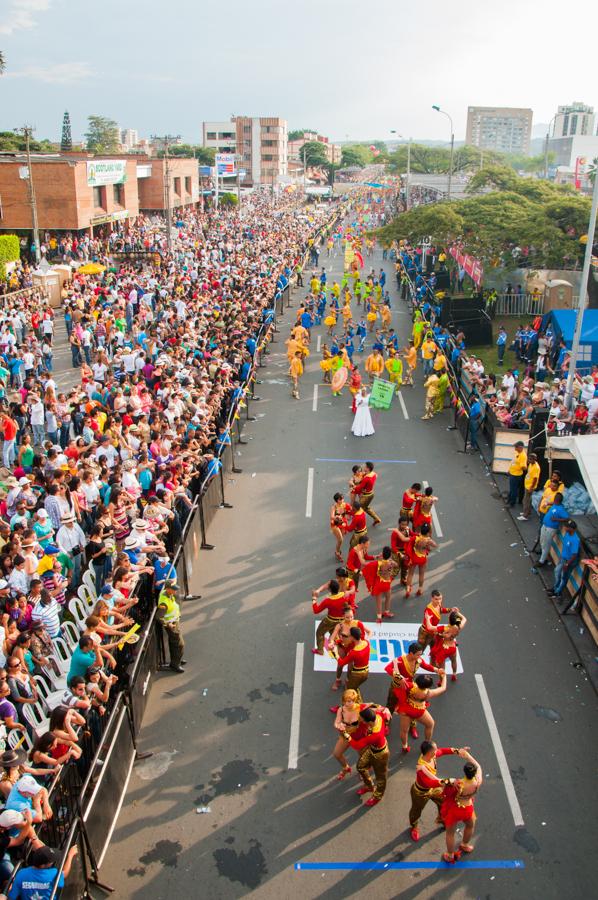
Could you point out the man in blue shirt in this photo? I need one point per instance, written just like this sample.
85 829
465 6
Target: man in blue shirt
555 517
35 881
568 559
501 343
475 417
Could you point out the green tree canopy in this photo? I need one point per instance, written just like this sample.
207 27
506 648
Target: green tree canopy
436 160
102 135
205 156
314 153
547 219
298 133
13 143
356 155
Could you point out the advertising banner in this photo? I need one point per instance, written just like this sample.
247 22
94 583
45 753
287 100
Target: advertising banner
472 266
387 641
106 171
382 394
225 163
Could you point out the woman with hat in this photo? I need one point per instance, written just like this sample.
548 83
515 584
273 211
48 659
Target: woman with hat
14 764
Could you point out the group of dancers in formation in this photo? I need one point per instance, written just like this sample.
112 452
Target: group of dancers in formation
414 681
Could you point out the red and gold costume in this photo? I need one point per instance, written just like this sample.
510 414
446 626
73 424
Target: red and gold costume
373 573
338 515
418 550
398 545
428 628
334 604
412 707
457 806
408 503
420 517
354 564
358 525
427 784
365 491
442 648
370 741
408 669
359 658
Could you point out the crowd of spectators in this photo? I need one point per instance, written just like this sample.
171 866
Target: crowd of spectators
97 482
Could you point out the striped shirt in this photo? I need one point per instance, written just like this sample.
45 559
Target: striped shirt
49 616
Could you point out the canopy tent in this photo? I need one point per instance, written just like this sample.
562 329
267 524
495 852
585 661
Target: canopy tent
584 447
562 322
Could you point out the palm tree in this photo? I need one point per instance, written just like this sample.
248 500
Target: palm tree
591 170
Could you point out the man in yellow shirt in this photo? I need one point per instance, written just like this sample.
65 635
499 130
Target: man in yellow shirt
552 486
439 361
428 351
431 386
532 479
410 354
296 371
516 471
374 365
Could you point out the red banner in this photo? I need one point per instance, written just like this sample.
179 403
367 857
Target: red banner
470 264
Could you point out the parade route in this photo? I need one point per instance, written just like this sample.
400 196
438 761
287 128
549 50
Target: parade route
241 797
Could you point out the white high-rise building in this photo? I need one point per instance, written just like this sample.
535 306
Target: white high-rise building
573 120
129 138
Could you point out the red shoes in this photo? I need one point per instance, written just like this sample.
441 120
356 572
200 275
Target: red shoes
372 801
405 749
413 732
414 834
364 790
317 652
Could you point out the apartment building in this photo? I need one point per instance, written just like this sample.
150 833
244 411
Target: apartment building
220 136
503 128
333 151
262 148
574 120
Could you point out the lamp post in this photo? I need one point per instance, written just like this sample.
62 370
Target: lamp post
583 297
407 182
546 146
450 174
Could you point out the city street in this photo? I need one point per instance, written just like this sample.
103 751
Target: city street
241 792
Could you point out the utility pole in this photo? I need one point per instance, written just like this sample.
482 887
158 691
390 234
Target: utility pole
408 174
583 298
165 141
27 132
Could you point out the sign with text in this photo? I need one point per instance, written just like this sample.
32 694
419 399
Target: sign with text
387 641
225 163
106 171
382 394
470 264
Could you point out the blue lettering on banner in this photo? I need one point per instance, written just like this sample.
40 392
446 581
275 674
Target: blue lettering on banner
380 652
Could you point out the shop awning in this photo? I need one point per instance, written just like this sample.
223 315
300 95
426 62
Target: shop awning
584 447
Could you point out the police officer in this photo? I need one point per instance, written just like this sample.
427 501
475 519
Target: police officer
169 614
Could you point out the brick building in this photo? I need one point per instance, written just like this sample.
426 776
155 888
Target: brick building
76 191
262 147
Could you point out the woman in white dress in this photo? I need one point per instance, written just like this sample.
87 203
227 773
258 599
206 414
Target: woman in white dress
362 423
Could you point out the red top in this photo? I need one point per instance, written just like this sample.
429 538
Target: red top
334 604
358 522
354 560
359 656
425 772
366 485
408 500
364 737
399 541
404 668
432 617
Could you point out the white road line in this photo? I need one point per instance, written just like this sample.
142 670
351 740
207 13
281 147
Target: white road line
403 407
319 342
500 754
296 708
435 519
310 493
314 405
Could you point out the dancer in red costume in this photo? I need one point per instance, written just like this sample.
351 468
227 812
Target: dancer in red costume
409 498
378 576
418 550
357 557
458 806
339 511
414 699
445 643
432 613
422 510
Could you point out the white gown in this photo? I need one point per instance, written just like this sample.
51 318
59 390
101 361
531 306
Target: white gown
362 423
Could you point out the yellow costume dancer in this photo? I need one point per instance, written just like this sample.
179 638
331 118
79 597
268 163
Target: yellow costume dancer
326 363
394 367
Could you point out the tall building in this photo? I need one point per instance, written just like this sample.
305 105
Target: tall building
220 136
576 119
333 151
503 128
262 145
129 138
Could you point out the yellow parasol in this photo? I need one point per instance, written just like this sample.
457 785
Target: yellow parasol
91 269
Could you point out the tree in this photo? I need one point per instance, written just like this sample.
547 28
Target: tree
10 142
10 251
356 155
592 169
313 153
298 133
227 199
103 135
436 160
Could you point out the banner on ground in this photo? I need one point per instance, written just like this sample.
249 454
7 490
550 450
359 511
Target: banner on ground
387 641
106 171
382 394
472 266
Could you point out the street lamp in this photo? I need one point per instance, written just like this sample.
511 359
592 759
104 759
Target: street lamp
407 183
450 174
546 146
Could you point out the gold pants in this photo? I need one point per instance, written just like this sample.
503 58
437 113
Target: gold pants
325 627
419 801
430 405
355 537
354 679
365 500
379 763
424 638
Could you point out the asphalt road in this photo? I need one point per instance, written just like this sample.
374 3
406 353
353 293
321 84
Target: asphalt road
228 749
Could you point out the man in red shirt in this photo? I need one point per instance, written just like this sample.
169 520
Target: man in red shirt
370 739
334 604
357 556
406 666
9 428
358 523
359 656
427 784
365 491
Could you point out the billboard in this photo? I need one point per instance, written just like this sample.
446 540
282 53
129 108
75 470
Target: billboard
225 163
106 171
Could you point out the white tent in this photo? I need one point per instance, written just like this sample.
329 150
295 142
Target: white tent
584 448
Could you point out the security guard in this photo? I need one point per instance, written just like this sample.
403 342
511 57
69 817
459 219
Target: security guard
169 614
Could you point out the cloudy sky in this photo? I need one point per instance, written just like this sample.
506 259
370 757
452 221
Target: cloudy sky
350 69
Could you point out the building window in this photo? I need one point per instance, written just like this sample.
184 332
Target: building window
98 198
268 143
118 194
247 129
188 184
267 157
573 125
211 135
177 186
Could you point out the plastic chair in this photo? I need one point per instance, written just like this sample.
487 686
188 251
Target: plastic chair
89 582
62 651
87 598
78 610
70 634
38 721
58 682
19 740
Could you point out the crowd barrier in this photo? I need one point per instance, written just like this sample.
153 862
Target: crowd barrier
87 798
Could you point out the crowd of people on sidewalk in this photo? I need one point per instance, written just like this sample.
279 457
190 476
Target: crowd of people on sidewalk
98 482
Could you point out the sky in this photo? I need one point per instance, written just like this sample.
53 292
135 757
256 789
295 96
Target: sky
351 70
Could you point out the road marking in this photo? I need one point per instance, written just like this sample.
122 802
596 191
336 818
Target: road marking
314 405
319 343
406 462
435 518
310 493
500 753
423 864
403 407
296 708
